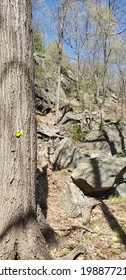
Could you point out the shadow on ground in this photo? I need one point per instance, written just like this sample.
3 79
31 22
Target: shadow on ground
113 222
41 194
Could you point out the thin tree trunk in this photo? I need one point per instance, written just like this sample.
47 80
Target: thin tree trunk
58 93
61 21
20 236
122 90
78 75
90 110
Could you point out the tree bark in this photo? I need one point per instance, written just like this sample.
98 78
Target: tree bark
61 21
20 236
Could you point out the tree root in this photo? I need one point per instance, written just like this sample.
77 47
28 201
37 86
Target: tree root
80 249
24 241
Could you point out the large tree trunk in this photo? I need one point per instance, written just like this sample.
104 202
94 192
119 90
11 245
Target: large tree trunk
20 236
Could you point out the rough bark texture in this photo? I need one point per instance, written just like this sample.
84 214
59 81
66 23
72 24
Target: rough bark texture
19 233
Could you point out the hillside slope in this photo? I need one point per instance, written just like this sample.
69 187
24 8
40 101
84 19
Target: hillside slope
78 130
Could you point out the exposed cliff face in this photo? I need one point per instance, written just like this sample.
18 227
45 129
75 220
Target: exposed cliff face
46 85
77 138
77 162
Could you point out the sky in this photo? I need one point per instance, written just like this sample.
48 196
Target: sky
40 13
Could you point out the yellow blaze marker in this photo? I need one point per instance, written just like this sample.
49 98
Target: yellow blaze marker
19 133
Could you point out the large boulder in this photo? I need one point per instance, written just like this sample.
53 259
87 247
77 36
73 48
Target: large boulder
45 95
63 154
72 199
98 174
109 141
80 156
71 116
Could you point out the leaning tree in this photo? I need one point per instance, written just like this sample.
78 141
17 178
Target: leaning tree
20 237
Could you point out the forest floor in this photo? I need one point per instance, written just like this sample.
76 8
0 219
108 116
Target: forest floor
105 235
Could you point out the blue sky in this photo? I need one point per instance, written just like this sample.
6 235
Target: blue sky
42 20
40 13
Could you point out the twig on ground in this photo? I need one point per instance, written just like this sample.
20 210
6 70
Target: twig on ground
75 228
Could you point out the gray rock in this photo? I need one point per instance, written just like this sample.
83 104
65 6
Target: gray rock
79 156
63 155
47 130
110 141
45 95
49 151
121 190
39 59
97 174
93 136
72 199
70 116
42 102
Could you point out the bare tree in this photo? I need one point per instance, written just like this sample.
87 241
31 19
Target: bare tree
20 237
120 60
76 35
103 21
62 10
58 14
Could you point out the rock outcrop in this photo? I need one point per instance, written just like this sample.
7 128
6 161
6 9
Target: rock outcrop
72 199
46 130
96 174
64 153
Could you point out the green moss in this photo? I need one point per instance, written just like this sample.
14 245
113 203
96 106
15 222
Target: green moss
38 71
122 248
64 253
76 132
120 155
112 196
71 246
71 93
86 236
117 233
112 242
124 227
38 41
83 256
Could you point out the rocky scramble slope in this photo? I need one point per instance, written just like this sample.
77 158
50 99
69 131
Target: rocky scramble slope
104 233
76 211
81 175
